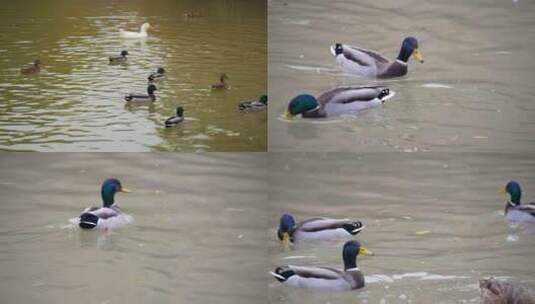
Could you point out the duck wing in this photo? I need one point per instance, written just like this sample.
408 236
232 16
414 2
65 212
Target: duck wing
527 208
364 57
494 291
322 223
105 213
325 273
351 94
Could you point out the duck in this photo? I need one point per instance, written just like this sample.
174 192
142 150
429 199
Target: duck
327 278
120 58
337 101
514 210
175 120
108 216
371 64
33 69
316 228
496 292
221 84
149 97
193 14
158 75
141 34
254 105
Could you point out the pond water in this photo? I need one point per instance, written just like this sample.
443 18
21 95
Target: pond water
473 93
198 231
76 102
435 222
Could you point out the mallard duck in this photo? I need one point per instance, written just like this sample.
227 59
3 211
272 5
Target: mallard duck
221 84
143 98
338 101
120 58
496 292
175 120
514 210
254 105
371 64
141 34
326 278
33 69
108 216
317 228
158 75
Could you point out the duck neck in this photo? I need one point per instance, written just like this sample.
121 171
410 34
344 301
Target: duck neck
350 264
404 54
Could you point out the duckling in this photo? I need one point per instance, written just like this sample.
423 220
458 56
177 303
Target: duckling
327 278
514 210
149 97
338 101
175 120
119 59
142 32
317 228
221 84
108 216
371 64
496 292
33 69
255 105
158 75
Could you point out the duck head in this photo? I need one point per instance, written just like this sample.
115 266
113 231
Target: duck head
124 53
301 104
263 99
37 63
223 77
150 89
286 227
109 188
179 111
514 191
409 47
350 252
144 27
160 71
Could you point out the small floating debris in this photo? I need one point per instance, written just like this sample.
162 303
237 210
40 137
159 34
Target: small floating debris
423 232
436 86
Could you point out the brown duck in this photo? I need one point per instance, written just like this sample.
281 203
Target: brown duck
33 69
221 84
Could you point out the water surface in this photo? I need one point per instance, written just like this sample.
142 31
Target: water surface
76 103
198 234
473 93
435 222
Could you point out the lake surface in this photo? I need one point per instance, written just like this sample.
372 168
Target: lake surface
435 222
473 93
198 234
76 102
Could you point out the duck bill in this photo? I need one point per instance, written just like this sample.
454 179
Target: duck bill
125 190
285 238
365 251
288 115
417 55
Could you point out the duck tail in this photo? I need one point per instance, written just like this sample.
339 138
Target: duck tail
128 98
384 92
88 221
354 228
244 105
337 49
282 273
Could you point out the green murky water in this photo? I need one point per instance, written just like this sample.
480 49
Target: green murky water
76 102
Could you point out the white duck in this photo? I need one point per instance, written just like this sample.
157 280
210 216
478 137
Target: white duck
141 34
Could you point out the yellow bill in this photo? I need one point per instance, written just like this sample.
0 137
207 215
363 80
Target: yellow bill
288 115
365 251
125 190
417 55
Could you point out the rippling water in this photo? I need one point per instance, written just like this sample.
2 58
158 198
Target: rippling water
76 103
473 93
435 222
198 234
